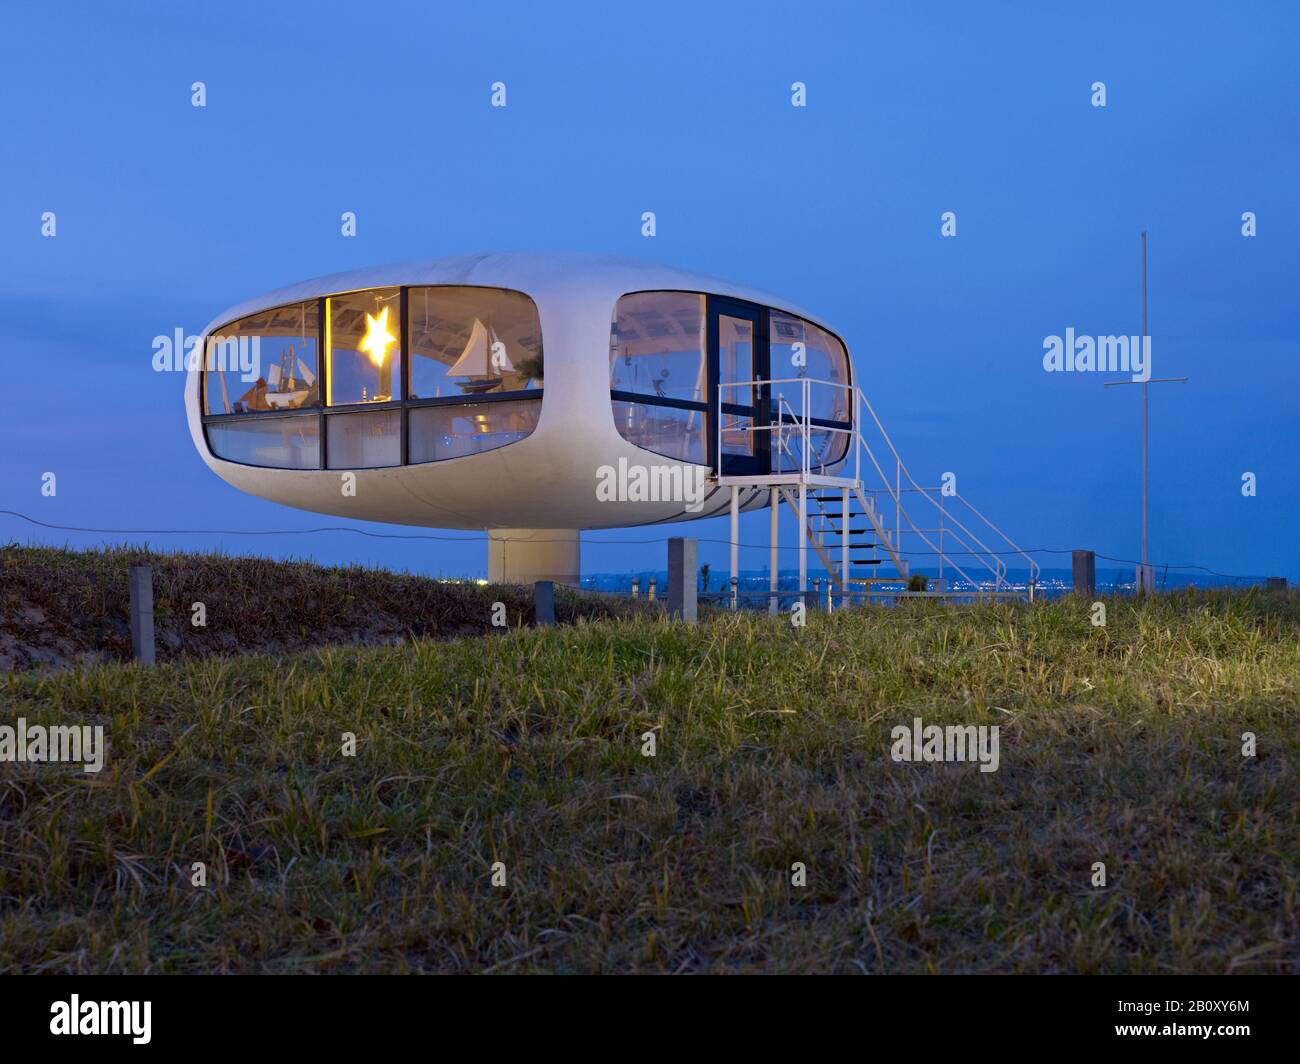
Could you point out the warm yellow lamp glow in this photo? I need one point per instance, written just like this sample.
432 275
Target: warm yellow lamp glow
377 337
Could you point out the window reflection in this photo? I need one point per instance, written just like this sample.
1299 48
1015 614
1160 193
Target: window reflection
364 441
825 447
735 360
454 431
666 430
266 361
473 341
275 442
825 360
657 346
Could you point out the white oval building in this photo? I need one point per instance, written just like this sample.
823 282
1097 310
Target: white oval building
514 393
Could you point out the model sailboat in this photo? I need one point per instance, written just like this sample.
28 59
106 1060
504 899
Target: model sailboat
480 368
289 383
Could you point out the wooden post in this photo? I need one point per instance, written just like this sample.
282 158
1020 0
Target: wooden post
1275 583
544 602
1084 565
140 581
682 602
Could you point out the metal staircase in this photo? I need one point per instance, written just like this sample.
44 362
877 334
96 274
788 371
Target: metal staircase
863 525
866 534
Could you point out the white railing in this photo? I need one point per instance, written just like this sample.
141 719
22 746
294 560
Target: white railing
951 529
799 421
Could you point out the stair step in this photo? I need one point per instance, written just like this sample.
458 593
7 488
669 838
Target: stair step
866 561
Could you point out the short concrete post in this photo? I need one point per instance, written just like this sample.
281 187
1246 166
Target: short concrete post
681 579
636 587
1084 565
140 581
544 602
1275 583
735 592
652 591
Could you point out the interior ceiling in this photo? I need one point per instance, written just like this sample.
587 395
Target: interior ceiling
649 331
432 335
639 331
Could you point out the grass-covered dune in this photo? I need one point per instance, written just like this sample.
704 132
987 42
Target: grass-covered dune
1119 744
62 607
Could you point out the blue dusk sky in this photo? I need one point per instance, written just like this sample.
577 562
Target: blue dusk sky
168 213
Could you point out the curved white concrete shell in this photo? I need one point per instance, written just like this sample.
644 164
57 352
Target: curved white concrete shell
571 420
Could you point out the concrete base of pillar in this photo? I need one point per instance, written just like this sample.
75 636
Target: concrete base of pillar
1146 579
524 555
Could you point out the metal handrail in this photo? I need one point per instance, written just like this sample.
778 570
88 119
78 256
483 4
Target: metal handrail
950 524
1001 566
996 567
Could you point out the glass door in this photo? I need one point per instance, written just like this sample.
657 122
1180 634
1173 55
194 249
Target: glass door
738 357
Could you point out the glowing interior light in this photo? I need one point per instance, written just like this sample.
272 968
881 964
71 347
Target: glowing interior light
377 337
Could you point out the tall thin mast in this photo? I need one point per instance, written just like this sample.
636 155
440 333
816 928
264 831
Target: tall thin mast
1143 340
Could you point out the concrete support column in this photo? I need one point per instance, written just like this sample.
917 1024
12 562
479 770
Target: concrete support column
682 577
1083 565
1145 578
140 585
527 555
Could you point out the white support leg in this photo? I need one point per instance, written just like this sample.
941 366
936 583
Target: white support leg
803 537
773 561
844 546
735 543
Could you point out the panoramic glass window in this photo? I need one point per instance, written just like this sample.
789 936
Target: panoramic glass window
266 361
476 378
826 360
456 430
825 447
363 333
736 363
658 372
473 341
656 346
276 442
670 431
364 441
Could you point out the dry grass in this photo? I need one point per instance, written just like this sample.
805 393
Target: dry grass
59 608
1119 744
